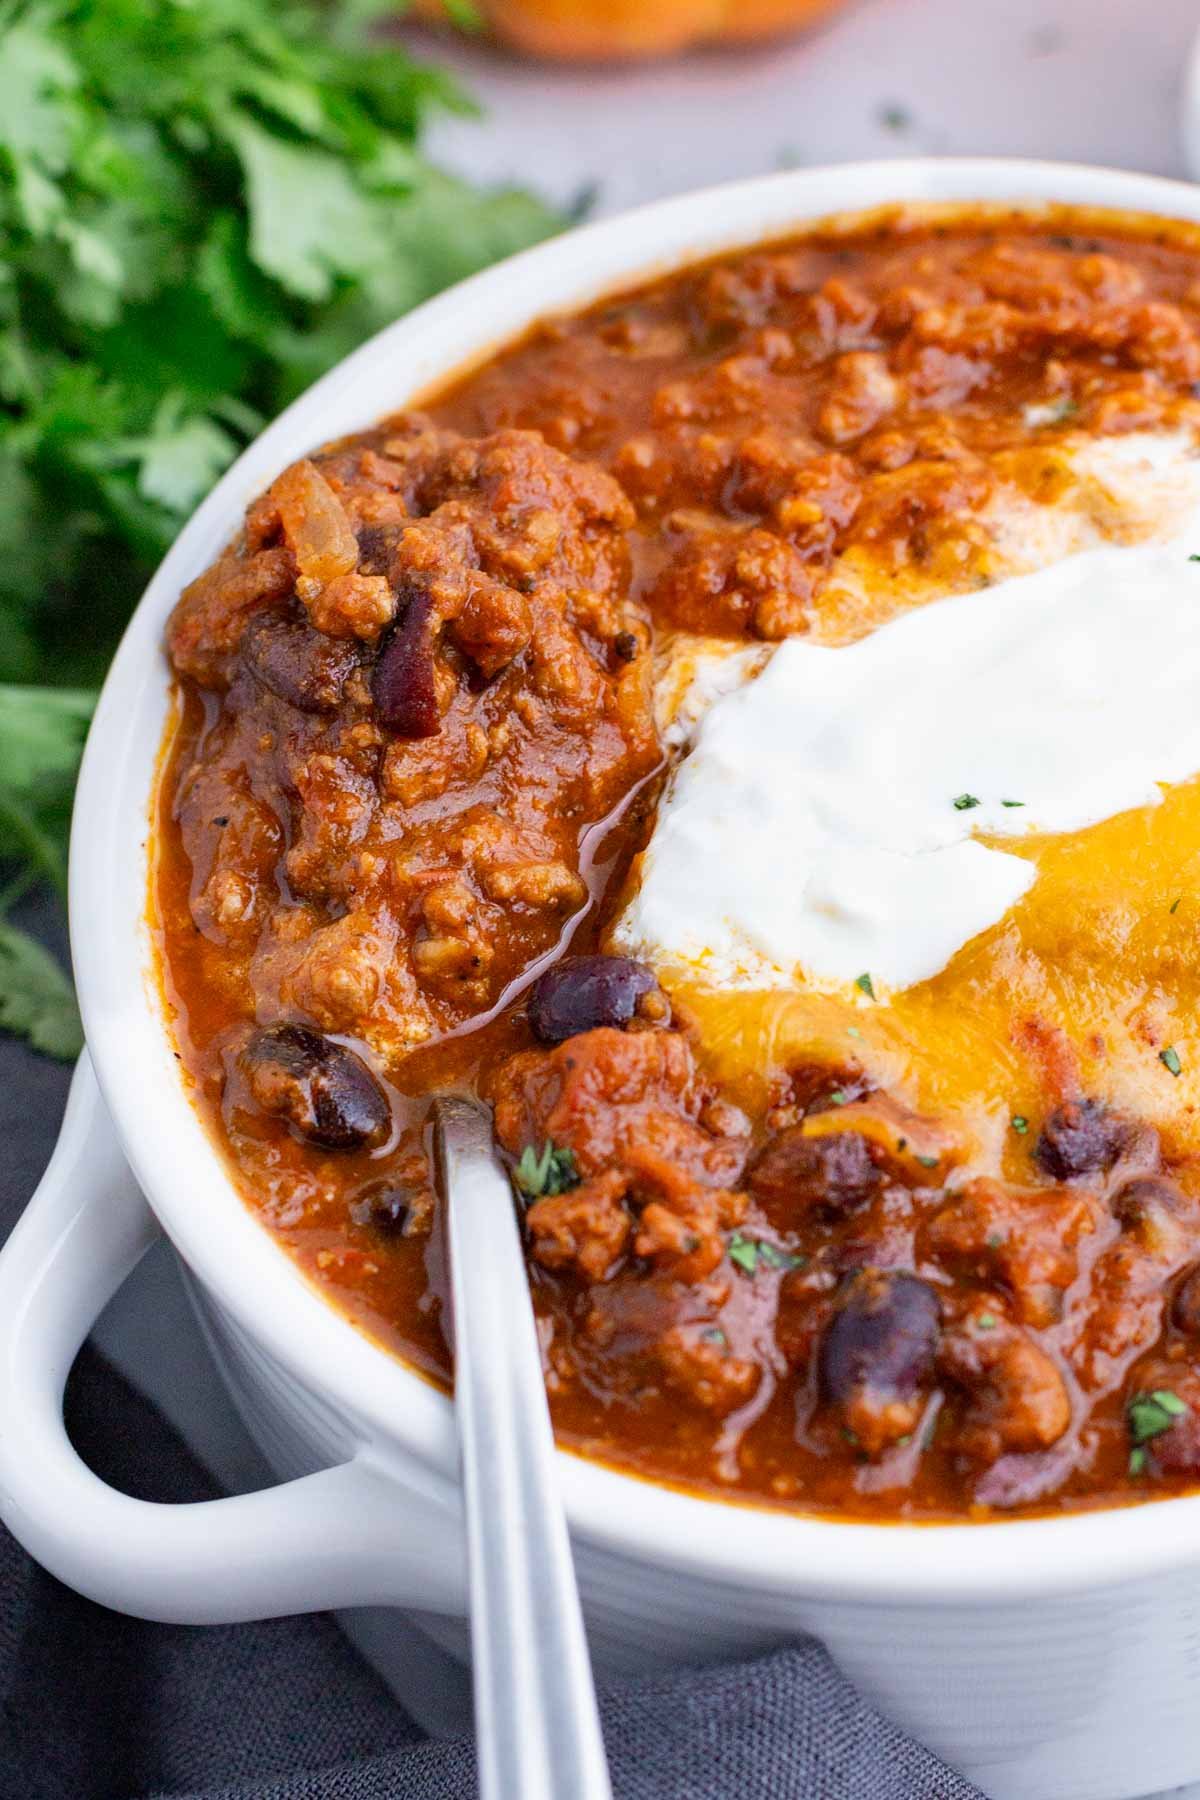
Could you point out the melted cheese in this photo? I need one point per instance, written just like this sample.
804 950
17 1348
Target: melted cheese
811 836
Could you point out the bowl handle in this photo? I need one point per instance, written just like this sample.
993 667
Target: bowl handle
347 1536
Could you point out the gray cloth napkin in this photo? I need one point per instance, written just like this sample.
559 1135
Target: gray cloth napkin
101 1707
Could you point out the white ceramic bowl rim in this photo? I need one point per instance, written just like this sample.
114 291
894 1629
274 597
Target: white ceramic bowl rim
179 1169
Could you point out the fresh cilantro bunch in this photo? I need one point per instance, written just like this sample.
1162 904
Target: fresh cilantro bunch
203 204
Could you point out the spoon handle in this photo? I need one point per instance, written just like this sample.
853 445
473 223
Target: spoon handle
537 1728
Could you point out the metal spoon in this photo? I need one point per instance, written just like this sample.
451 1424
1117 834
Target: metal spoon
537 1729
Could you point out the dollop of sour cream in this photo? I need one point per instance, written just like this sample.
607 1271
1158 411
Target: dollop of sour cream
827 821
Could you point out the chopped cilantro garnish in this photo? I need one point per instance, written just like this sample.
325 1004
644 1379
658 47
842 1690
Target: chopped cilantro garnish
744 1252
1012 803
1139 1457
553 1172
864 982
1174 906
837 1098
928 1162
853 1031
1194 557
714 1335
1020 1124
1147 1417
1170 1059
748 1252
964 802
986 1321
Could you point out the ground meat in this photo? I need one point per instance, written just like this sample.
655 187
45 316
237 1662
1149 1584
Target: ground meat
207 624
628 1106
1016 1398
1028 1239
586 1228
451 645
697 1360
733 581
1124 1310
797 1171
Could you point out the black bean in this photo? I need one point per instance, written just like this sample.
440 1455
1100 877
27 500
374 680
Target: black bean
403 685
582 992
385 1207
298 664
1081 1137
882 1336
834 1171
324 1091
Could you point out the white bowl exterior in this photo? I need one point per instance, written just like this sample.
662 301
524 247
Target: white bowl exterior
1011 1649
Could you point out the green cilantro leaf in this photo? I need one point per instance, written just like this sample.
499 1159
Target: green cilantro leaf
1020 1124
743 1251
746 1253
36 998
553 1172
864 982
41 737
964 802
1147 1416
310 220
1170 1059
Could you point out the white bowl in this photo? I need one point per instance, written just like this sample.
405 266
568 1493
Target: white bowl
1047 1658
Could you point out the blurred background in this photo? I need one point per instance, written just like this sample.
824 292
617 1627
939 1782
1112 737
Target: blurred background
1078 80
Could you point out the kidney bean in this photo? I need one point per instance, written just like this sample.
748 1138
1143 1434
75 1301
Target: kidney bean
325 1092
582 992
403 685
298 664
882 1337
1081 1137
